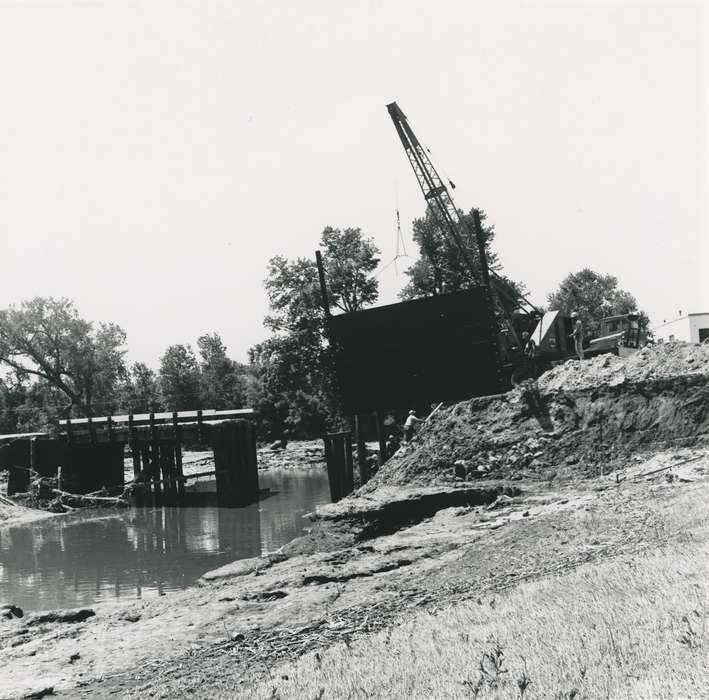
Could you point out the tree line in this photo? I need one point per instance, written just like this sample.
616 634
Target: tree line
59 365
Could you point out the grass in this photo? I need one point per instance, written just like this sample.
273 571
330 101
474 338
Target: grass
630 627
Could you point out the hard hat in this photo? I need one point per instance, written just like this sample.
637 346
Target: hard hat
412 413
574 314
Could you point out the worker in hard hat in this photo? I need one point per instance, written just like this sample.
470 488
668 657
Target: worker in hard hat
577 334
409 425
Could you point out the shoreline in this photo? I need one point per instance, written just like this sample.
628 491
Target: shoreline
366 564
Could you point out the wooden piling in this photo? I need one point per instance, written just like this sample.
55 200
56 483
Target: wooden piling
155 461
179 474
362 465
221 466
134 449
252 460
349 467
331 476
381 437
338 455
33 456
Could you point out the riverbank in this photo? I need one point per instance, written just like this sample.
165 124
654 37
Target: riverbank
550 542
370 568
11 512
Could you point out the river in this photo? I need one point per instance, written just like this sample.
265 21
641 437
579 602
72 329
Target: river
80 559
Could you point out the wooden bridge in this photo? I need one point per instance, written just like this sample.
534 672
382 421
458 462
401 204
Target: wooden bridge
90 454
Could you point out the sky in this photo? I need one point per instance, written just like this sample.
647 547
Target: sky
154 155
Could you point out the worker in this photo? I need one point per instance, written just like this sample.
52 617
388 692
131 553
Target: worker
577 335
392 445
411 421
529 346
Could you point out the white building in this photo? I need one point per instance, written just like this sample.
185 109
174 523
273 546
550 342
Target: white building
693 328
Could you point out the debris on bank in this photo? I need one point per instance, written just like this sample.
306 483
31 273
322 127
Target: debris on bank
303 453
649 364
578 420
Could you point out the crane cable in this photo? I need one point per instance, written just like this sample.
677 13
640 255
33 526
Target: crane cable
400 243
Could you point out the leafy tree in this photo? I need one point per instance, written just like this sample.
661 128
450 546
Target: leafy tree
41 408
141 390
441 267
293 389
294 297
593 296
349 261
46 338
13 393
179 379
220 377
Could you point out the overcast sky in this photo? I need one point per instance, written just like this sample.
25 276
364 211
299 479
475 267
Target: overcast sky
154 155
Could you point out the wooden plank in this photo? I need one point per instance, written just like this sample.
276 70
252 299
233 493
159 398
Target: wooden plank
19 436
164 417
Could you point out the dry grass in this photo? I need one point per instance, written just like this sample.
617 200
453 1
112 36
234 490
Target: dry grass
631 627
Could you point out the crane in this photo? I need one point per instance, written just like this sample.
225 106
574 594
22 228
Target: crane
439 199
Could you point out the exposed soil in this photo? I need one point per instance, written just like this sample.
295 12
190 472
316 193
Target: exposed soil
491 493
579 419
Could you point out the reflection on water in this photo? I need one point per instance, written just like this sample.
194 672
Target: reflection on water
76 560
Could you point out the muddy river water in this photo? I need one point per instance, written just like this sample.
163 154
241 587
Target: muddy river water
79 559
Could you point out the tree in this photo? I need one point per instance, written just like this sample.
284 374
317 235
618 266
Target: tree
179 379
141 390
220 379
350 260
46 338
293 368
441 267
593 296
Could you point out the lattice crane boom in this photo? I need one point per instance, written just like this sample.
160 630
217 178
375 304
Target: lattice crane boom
443 207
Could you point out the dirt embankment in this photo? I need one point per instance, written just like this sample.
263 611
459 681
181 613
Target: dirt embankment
580 419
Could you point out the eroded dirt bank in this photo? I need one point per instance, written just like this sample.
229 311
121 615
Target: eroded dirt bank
578 420
247 616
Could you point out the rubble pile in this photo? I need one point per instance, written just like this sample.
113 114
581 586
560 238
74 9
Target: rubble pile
579 419
651 363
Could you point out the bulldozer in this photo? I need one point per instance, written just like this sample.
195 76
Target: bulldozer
550 344
621 335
